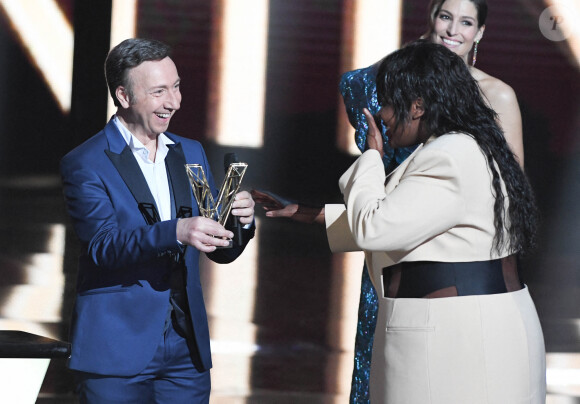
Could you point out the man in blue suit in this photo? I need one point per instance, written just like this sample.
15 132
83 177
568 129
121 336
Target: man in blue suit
139 330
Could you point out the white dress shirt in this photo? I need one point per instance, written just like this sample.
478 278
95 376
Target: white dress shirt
155 172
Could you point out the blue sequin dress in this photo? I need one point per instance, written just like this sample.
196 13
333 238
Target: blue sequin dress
358 89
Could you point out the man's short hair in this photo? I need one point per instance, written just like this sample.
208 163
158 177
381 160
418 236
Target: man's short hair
127 55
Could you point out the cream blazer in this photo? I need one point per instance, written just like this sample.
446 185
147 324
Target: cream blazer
436 206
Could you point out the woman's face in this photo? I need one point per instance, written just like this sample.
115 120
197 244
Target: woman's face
402 134
456 27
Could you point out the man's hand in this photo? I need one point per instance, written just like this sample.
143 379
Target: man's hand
243 207
374 136
203 233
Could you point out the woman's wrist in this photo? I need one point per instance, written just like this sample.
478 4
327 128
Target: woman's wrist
309 214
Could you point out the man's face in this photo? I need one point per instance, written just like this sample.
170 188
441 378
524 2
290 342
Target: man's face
155 97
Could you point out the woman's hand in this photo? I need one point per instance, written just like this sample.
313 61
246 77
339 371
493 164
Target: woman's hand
274 205
374 135
277 206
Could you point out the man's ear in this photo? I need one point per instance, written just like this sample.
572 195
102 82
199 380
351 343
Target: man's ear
123 97
417 109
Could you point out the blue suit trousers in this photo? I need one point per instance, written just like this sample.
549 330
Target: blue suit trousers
169 378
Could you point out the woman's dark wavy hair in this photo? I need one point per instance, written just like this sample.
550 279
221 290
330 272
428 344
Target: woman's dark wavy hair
453 102
129 54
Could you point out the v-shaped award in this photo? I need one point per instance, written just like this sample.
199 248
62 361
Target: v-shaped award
217 209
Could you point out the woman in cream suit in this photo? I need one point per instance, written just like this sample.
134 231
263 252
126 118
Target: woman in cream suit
455 324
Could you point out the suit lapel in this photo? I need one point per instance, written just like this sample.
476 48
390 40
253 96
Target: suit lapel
395 176
130 171
175 162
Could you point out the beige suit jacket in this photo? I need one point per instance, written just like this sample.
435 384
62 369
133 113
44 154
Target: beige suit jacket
436 206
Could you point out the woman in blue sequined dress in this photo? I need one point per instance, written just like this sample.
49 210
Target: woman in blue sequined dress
458 25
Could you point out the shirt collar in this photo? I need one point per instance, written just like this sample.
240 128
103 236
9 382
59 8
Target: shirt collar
136 145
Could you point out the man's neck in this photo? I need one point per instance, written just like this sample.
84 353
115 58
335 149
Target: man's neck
149 141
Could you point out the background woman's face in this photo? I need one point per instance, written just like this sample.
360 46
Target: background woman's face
456 26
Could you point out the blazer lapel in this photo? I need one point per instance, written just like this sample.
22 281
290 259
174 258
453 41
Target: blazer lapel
129 170
395 176
175 162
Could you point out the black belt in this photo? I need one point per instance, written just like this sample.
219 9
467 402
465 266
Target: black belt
423 278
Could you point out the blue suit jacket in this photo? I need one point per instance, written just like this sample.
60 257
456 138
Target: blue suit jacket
123 275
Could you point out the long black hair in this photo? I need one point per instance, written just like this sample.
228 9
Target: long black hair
453 102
